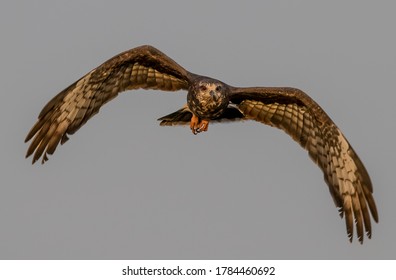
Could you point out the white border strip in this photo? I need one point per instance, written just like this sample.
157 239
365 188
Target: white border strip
210 269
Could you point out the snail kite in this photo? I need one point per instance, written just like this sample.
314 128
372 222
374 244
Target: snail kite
208 100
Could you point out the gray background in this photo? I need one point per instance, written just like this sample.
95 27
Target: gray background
125 188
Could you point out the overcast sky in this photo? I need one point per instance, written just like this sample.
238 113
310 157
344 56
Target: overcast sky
124 188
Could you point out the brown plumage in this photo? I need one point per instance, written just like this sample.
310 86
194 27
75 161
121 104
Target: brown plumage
210 100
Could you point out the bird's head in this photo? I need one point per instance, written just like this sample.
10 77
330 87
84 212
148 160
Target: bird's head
208 98
211 90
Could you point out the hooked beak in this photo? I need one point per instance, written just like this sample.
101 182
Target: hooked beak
214 95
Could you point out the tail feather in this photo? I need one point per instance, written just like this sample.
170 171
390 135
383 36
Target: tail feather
180 117
184 115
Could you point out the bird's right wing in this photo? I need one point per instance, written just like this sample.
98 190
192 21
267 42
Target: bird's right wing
142 67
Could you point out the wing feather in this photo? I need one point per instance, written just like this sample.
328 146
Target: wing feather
302 118
143 67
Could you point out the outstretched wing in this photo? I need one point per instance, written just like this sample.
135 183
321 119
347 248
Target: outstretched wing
142 67
302 118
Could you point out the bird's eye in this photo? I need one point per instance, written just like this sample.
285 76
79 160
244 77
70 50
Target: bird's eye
202 87
218 88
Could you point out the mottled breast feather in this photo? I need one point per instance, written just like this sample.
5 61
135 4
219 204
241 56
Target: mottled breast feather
302 118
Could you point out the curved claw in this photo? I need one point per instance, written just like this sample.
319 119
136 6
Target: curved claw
203 125
197 125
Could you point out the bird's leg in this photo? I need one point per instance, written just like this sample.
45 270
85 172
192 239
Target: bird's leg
203 125
198 125
194 123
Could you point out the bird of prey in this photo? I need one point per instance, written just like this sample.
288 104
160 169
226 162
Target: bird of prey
210 100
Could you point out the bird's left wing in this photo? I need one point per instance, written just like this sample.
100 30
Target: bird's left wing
142 67
303 119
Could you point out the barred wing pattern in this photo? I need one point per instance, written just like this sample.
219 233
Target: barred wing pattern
299 116
143 67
